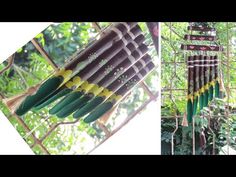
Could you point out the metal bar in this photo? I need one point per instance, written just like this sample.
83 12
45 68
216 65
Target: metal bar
55 126
36 140
49 132
44 149
96 26
179 116
170 62
147 90
104 128
172 89
44 54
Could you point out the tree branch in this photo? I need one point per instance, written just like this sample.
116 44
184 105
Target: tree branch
16 68
174 31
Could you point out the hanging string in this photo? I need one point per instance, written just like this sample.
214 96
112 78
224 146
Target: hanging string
213 134
173 134
227 90
193 118
209 117
193 135
185 56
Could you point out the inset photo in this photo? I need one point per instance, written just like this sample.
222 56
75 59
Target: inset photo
74 85
198 82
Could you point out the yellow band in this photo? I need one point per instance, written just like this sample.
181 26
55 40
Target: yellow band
206 86
212 83
116 97
196 93
85 87
66 74
107 93
202 89
190 96
75 82
96 89
101 91
69 84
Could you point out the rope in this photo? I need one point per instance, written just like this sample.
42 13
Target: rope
213 134
193 119
173 134
227 90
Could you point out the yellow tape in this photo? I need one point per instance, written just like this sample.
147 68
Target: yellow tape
75 82
101 91
69 84
206 86
212 83
190 96
107 93
85 87
202 90
217 79
196 93
116 97
66 74
96 89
